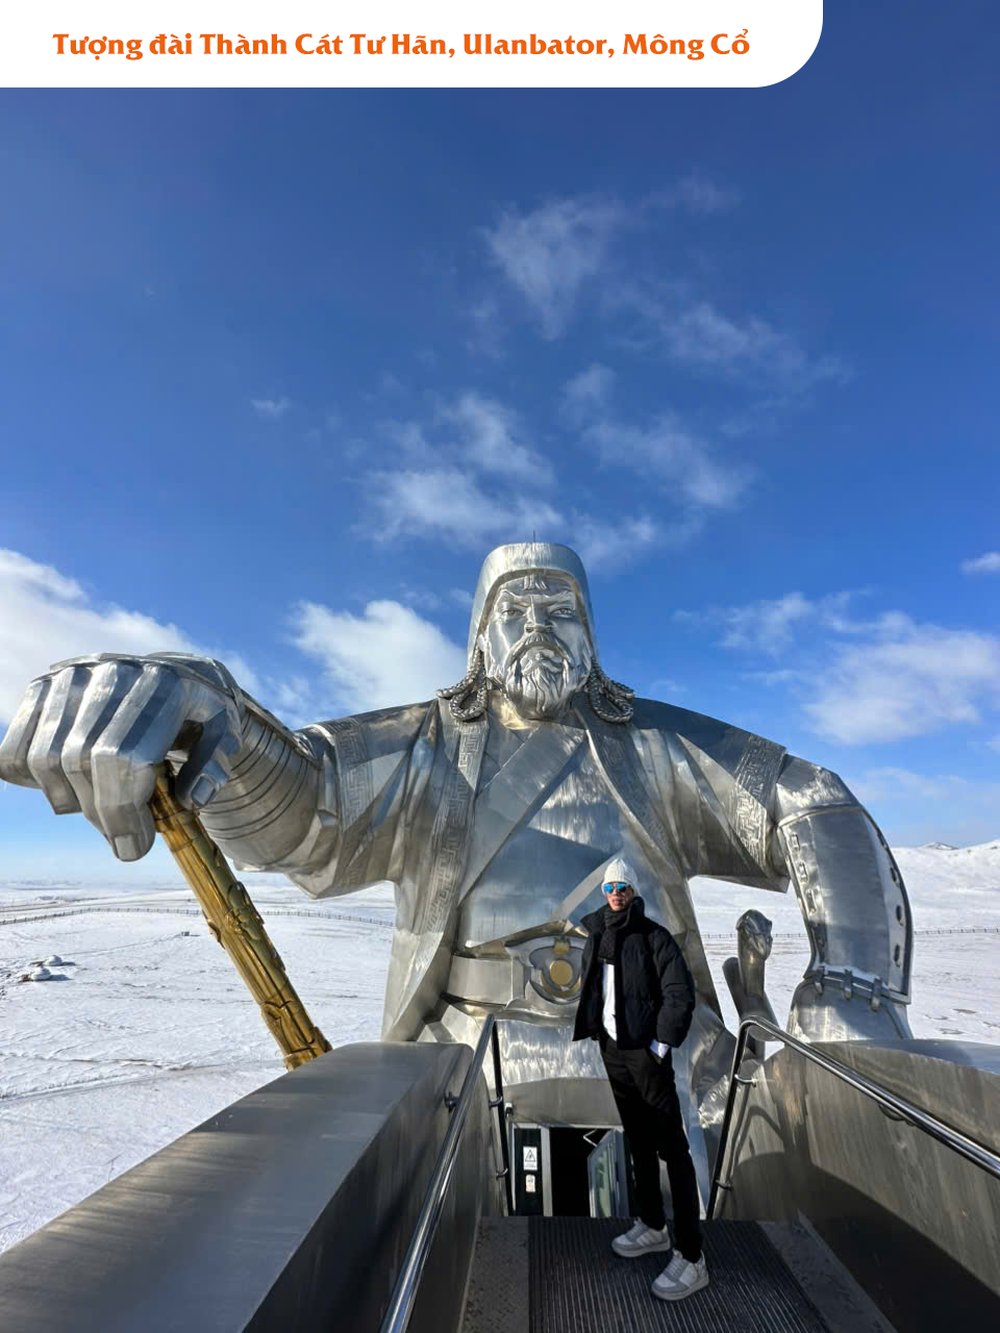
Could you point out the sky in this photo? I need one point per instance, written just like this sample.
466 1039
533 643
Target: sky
280 367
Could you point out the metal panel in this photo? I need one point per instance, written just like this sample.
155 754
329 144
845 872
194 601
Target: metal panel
293 1208
891 1201
527 1151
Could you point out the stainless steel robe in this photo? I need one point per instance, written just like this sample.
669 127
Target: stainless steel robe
496 837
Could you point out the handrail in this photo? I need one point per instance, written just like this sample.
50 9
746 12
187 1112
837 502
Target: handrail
898 1106
404 1293
500 1104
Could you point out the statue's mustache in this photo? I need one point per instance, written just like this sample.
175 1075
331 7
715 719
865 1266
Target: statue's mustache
540 642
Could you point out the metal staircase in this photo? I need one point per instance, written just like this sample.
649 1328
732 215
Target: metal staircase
559 1275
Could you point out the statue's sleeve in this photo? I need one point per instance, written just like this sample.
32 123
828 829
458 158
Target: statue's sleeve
751 813
849 887
323 805
724 782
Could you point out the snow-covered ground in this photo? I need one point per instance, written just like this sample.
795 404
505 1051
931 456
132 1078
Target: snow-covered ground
145 1030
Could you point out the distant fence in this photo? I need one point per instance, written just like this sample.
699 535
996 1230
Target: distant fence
46 914
180 909
938 930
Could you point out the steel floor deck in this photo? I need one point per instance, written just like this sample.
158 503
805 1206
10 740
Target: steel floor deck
577 1284
565 1278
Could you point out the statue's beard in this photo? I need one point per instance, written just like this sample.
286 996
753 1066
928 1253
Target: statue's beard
539 679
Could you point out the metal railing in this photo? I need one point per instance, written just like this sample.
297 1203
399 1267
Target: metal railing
896 1107
404 1293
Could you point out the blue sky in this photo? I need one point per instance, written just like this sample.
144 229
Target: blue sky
280 368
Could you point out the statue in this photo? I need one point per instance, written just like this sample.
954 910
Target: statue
494 810
745 973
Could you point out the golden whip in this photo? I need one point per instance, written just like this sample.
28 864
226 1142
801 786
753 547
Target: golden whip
237 925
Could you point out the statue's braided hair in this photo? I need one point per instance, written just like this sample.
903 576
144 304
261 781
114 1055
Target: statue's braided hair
609 699
474 684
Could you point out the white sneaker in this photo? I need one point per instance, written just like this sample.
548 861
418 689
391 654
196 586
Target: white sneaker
681 1278
641 1239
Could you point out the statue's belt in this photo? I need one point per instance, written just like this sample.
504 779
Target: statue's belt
544 975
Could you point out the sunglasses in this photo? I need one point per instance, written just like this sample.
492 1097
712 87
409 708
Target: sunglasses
615 888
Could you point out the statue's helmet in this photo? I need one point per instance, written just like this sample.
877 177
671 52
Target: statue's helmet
516 561
609 699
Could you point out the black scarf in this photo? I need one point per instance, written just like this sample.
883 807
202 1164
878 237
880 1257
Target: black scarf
616 926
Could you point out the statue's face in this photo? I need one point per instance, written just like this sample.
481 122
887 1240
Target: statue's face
536 645
756 930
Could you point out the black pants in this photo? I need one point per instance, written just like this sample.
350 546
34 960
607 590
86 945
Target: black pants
647 1102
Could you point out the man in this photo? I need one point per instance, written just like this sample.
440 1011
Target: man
494 809
637 1000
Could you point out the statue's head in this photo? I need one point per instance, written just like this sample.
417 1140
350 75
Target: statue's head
531 637
754 932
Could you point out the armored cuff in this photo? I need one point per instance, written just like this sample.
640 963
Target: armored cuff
264 811
853 900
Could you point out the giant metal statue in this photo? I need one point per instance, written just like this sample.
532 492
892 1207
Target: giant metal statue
494 810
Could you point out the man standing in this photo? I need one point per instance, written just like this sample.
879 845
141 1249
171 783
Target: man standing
637 1000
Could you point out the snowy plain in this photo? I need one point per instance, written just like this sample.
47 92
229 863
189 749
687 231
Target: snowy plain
144 1029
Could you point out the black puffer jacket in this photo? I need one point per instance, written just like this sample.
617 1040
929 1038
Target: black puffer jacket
654 992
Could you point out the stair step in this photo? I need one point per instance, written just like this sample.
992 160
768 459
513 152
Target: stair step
559 1275
578 1283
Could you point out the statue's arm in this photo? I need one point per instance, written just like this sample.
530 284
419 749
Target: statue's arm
280 782
853 903
321 805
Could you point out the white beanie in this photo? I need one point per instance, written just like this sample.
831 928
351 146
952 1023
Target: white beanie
618 871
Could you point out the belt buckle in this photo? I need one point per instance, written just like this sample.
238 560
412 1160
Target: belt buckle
557 971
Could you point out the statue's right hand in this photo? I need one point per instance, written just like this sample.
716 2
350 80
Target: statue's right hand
91 732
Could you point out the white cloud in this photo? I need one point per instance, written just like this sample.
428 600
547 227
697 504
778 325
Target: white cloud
766 625
666 448
783 676
702 195
882 679
702 337
422 597
983 564
566 250
770 625
674 454
475 434
270 407
389 655
549 255
450 503
469 475
46 617
489 434
666 685
410 438
883 784
590 391
552 254
912 681
600 543
486 335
